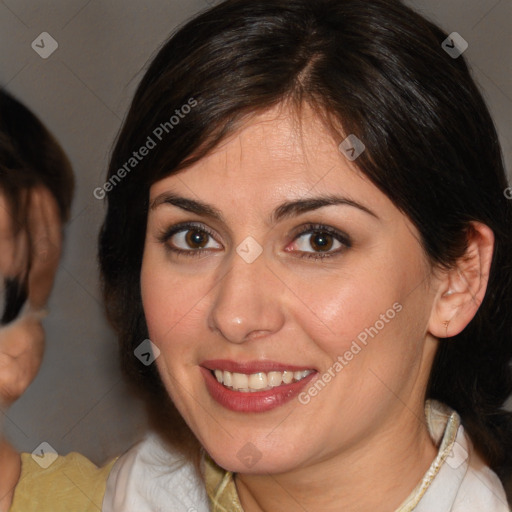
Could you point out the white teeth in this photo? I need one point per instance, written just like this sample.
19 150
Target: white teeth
258 381
274 379
287 377
300 375
240 381
227 378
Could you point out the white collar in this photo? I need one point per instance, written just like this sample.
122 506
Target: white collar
458 479
150 478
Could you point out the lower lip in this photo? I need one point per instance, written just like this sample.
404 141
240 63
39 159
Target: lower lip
258 401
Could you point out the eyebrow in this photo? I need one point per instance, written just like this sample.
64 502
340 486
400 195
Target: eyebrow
283 211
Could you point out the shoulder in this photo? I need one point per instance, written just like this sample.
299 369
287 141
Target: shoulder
481 489
60 483
459 480
151 477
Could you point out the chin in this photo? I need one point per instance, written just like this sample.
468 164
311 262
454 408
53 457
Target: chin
251 461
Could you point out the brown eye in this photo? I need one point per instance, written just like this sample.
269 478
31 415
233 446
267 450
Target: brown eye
189 239
196 238
321 241
318 241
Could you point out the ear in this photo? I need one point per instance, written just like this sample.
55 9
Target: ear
462 288
45 233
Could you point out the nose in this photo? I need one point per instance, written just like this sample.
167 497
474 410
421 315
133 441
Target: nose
248 301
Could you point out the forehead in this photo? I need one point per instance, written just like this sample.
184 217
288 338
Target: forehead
275 150
275 158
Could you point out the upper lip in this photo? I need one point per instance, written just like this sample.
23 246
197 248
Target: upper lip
250 367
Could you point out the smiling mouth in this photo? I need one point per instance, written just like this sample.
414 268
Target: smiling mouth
260 381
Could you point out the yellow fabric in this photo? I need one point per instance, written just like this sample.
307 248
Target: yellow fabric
221 488
72 483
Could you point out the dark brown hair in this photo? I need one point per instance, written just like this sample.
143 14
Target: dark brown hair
375 69
29 157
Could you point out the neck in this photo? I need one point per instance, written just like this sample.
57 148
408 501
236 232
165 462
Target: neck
388 464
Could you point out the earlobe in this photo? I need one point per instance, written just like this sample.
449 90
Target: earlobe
462 288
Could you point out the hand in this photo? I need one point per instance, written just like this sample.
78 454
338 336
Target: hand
22 341
21 353
10 469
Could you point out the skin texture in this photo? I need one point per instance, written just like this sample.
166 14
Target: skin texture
10 472
22 341
329 454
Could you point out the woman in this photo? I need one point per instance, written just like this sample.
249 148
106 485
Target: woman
306 217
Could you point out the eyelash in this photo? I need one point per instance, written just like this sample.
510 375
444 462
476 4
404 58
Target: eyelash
306 229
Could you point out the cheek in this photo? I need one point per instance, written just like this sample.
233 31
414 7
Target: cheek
373 315
343 307
168 303
368 334
172 304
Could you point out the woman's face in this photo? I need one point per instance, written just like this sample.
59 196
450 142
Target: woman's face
292 262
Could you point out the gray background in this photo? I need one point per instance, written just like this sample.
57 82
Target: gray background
78 401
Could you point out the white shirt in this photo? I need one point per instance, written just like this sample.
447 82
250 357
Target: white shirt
150 478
